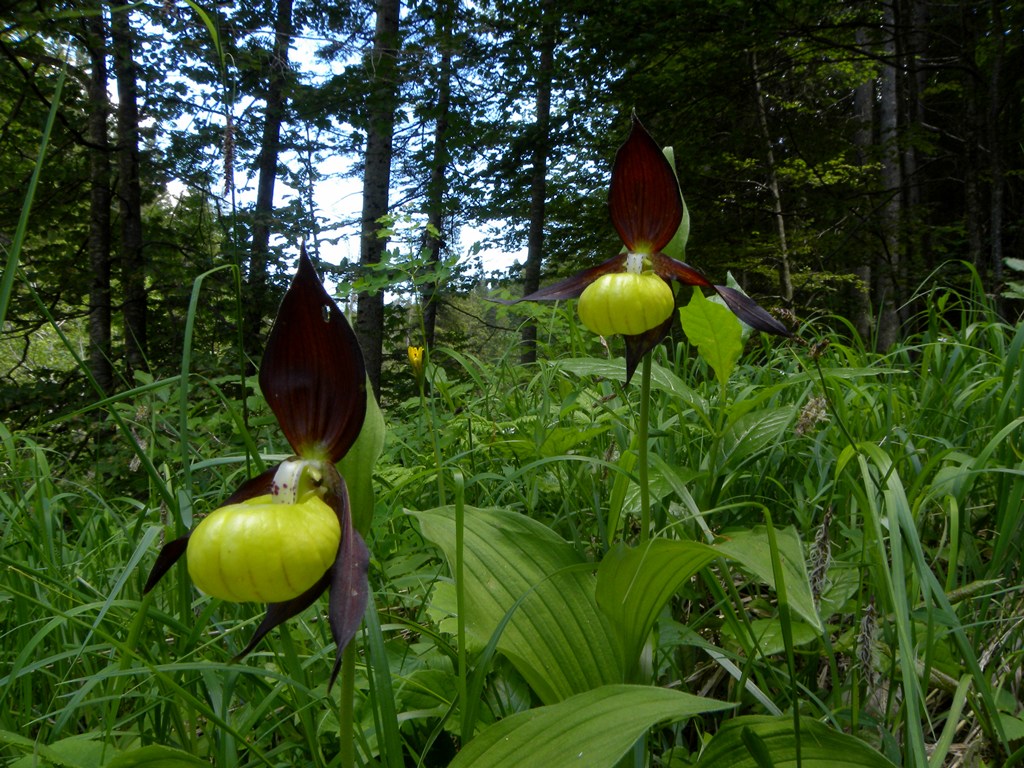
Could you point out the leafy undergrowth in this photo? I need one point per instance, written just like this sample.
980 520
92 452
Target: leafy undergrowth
833 571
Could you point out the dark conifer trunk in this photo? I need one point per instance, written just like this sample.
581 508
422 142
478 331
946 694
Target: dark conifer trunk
438 174
539 172
100 359
887 265
369 323
129 191
259 304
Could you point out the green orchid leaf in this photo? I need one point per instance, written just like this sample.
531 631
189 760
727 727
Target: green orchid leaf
557 637
356 466
676 248
769 636
751 742
593 729
634 583
155 757
752 433
750 550
716 333
78 751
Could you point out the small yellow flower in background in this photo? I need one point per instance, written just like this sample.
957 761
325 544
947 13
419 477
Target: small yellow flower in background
416 361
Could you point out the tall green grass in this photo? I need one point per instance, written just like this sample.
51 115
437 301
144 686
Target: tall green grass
918 454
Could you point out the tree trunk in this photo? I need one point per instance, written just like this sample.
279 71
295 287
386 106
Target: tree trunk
995 142
916 253
133 268
437 185
539 162
259 304
100 359
785 277
887 264
864 113
377 180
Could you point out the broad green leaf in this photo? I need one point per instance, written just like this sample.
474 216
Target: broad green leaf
591 730
1015 264
560 440
155 757
750 550
557 637
820 746
79 751
356 466
769 637
753 432
634 583
617 498
716 333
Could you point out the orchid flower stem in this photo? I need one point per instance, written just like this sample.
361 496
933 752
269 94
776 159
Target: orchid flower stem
460 598
641 439
346 705
427 406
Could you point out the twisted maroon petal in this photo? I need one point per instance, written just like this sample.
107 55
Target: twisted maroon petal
678 271
571 287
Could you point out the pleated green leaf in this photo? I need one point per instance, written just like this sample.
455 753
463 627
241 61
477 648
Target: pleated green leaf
557 638
747 742
590 730
633 585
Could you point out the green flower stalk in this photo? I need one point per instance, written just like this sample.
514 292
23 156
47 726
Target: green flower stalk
288 535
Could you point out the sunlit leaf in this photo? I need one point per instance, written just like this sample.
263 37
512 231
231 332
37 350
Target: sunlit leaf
356 466
753 432
593 729
676 248
715 332
750 550
634 583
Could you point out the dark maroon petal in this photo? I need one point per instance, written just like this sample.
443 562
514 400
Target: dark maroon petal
678 271
279 613
750 312
640 344
572 287
644 201
350 588
312 372
169 554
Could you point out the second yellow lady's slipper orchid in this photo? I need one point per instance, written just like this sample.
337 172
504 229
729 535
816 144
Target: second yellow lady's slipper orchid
630 293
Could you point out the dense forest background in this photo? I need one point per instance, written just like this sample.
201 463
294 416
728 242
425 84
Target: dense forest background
835 157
